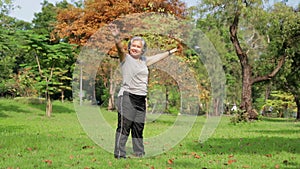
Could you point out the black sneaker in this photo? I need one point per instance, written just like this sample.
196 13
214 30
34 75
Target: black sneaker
120 157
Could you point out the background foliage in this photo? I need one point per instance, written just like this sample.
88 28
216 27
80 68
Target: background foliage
38 58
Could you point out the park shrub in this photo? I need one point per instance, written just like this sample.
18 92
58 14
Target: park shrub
239 116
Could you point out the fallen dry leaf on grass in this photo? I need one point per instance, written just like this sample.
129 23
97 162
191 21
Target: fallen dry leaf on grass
197 156
49 162
170 161
231 161
268 155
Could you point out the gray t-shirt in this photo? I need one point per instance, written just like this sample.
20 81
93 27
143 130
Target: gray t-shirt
135 76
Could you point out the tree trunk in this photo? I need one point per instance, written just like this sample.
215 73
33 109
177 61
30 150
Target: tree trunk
167 98
111 100
94 98
268 91
80 87
297 100
62 96
216 106
246 102
48 105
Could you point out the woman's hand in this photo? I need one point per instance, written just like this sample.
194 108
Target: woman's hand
172 51
114 30
116 33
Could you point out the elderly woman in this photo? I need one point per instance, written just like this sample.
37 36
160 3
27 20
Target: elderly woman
133 92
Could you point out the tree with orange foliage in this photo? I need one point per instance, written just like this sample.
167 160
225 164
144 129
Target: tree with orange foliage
79 24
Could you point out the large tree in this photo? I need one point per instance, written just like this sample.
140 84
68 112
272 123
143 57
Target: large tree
288 78
260 37
10 50
293 83
78 24
48 63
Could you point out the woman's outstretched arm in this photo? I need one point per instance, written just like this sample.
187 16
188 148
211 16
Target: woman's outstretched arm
155 58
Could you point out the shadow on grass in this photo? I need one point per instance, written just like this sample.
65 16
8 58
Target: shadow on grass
3 115
10 129
279 132
57 108
6 109
162 120
62 109
279 119
264 146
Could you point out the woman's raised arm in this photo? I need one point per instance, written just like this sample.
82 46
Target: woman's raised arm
116 33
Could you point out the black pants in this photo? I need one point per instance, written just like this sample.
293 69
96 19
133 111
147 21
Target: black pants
131 118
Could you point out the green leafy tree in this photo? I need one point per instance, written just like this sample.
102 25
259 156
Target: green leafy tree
44 21
260 37
288 79
50 64
281 103
44 24
217 32
6 59
10 50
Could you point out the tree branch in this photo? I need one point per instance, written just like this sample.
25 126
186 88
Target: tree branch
273 73
39 65
51 72
234 39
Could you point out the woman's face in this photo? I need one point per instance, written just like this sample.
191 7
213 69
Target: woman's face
136 49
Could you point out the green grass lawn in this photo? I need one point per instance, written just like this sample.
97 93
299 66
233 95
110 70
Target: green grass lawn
28 140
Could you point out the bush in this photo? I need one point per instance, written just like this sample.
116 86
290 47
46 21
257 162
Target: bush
239 116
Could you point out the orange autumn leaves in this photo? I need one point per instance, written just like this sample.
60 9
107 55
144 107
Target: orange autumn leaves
231 160
79 24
